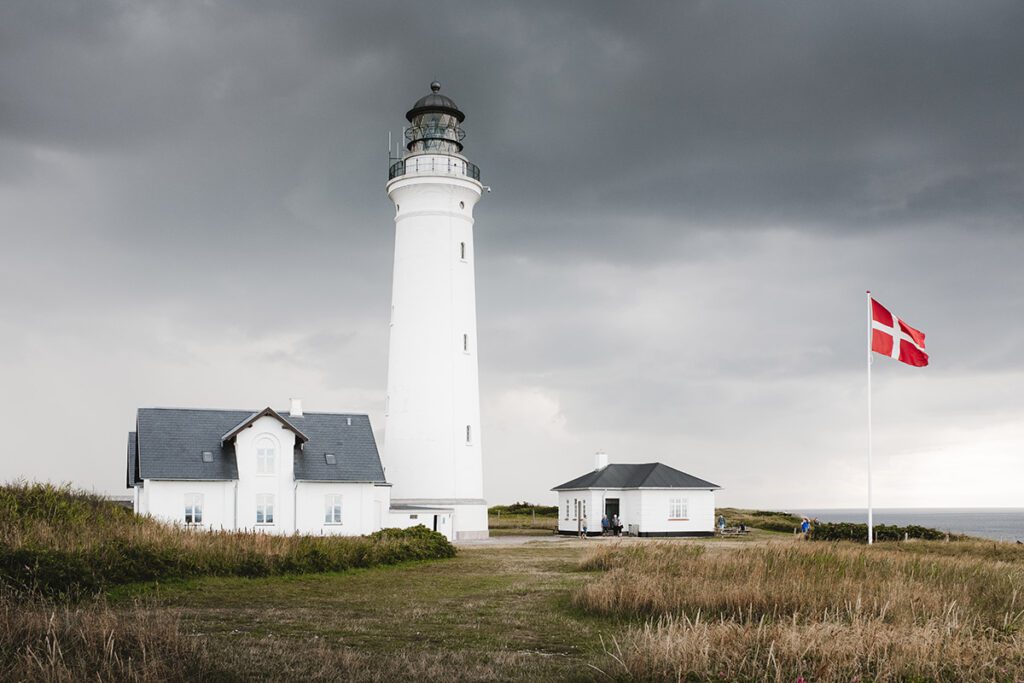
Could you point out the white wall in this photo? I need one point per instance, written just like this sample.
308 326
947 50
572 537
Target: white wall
357 508
165 500
401 519
433 387
700 511
594 510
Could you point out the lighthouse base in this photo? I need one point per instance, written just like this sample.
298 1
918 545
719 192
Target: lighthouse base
469 518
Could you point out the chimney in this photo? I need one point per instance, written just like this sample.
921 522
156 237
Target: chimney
296 409
600 460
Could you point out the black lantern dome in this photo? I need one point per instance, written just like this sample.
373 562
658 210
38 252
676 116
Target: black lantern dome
437 102
435 120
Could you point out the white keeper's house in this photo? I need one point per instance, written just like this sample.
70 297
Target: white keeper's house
651 499
309 473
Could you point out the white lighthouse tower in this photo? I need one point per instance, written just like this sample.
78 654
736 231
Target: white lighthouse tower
432 440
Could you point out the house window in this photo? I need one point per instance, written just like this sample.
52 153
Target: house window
469 435
677 508
567 508
462 250
266 455
264 508
332 509
193 508
584 508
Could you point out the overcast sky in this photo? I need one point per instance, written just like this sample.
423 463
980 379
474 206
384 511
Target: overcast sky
689 202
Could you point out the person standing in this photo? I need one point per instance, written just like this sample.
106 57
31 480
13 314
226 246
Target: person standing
583 528
616 524
721 524
605 525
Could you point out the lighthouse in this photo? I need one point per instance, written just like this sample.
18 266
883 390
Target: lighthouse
432 436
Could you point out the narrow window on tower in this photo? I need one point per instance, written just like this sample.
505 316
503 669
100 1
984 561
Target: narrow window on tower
465 343
462 250
469 435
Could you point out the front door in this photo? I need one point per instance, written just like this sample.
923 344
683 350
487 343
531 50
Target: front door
611 507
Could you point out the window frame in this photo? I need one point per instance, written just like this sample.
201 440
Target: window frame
333 509
678 509
265 504
262 468
194 501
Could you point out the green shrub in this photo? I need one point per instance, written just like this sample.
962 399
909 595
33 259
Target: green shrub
848 531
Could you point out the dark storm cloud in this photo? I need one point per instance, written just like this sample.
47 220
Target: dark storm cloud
689 200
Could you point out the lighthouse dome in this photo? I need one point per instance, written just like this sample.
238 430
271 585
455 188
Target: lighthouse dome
435 102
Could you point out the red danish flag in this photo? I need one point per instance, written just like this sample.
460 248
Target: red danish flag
892 337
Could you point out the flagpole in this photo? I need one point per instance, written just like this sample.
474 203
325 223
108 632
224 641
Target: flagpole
870 520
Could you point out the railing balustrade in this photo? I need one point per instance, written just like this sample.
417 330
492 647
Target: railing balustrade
434 165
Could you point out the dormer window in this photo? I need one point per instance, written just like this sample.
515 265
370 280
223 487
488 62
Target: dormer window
266 456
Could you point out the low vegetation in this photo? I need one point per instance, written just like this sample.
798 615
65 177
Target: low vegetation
58 543
43 642
522 518
847 531
835 612
759 519
524 509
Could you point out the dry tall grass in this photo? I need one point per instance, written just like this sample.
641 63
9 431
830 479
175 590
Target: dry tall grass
43 642
828 613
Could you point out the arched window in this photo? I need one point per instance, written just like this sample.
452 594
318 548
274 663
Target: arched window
266 456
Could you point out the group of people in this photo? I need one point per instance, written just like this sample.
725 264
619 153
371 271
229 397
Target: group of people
612 525
720 523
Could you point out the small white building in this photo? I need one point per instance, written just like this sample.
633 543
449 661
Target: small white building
307 473
650 499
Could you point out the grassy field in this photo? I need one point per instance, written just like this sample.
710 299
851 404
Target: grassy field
760 607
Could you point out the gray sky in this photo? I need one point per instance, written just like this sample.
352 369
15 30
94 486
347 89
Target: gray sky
689 202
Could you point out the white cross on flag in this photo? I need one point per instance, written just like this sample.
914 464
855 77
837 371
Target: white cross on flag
892 337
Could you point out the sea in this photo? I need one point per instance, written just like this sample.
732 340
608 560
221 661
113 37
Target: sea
1000 524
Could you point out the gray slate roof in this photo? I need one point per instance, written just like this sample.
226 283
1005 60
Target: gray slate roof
170 443
626 476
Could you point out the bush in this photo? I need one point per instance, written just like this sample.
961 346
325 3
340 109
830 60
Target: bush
848 531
